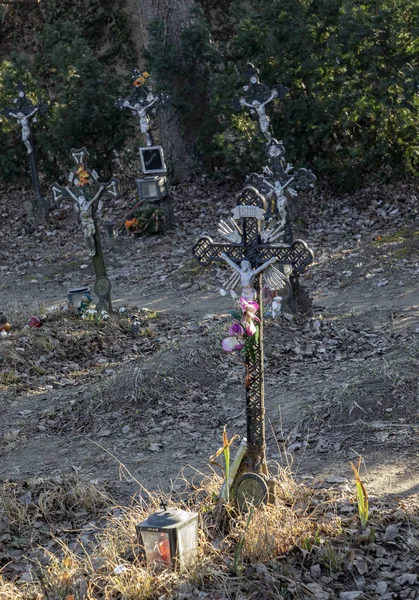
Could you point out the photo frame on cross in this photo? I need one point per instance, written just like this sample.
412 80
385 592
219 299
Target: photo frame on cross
152 160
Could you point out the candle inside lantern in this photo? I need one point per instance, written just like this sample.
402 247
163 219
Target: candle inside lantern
157 548
164 549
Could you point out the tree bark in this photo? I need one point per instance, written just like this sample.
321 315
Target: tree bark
174 13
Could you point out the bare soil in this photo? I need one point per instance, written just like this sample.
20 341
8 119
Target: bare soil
340 382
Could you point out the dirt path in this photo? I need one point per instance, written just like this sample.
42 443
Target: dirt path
339 384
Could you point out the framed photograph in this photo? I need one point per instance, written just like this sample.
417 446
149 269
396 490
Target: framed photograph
152 159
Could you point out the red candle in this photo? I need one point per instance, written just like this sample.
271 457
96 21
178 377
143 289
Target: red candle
164 550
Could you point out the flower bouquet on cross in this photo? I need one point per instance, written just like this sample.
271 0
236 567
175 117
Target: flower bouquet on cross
244 331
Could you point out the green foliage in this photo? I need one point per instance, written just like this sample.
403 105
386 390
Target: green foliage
75 72
83 92
353 75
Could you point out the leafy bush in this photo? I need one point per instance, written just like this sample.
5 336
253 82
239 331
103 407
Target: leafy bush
352 72
353 75
74 71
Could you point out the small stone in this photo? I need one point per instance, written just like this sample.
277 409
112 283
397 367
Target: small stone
84 266
391 533
350 595
155 448
381 587
315 571
126 428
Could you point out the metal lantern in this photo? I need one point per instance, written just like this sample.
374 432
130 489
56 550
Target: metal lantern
152 188
169 537
77 296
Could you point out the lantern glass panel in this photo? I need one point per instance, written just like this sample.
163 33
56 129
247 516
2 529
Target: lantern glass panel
187 543
150 189
157 548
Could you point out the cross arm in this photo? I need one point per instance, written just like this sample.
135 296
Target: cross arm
206 251
59 192
110 189
298 254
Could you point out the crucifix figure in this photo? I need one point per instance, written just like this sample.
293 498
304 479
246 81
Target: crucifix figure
279 183
249 243
85 208
142 101
256 97
259 108
88 193
23 111
248 275
23 119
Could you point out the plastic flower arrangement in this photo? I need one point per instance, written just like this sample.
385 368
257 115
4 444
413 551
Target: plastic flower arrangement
82 176
132 224
244 331
141 79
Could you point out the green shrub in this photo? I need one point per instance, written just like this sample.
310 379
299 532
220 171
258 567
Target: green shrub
80 48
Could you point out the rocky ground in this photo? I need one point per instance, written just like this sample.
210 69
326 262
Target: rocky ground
81 398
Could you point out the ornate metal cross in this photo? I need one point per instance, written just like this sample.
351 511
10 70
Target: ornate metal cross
85 189
256 97
142 101
23 110
251 242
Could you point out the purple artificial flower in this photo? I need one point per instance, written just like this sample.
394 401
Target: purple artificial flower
236 330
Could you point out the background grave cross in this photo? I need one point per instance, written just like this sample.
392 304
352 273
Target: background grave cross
142 101
23 110
85 189
256 96
250 242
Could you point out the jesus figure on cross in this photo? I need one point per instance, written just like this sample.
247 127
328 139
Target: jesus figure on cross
247 275
23 122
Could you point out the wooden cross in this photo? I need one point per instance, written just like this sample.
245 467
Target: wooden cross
252 243
85 189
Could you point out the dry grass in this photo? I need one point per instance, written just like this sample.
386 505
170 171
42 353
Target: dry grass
49 500
236 552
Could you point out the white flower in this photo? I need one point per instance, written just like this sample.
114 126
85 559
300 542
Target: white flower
122 309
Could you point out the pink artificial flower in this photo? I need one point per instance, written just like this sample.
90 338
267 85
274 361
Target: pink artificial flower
250 328
248 307
231 343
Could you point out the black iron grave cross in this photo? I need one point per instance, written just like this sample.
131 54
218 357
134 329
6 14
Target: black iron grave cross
257 96
142 101
251 240
23 110
85 189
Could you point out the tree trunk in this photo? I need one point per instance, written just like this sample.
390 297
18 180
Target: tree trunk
174 13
